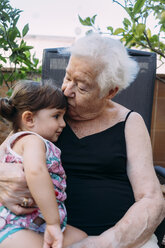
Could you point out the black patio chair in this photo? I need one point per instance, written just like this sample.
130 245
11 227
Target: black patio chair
138 96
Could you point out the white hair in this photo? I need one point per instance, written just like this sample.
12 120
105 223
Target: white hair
117 68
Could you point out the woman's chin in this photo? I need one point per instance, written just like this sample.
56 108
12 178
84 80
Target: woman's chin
72 114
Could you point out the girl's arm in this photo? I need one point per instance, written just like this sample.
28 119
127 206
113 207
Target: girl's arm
41 187
38 178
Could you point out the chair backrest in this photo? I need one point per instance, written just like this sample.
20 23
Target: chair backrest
138 96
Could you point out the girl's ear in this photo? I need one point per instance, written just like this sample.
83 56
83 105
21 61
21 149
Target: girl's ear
28 118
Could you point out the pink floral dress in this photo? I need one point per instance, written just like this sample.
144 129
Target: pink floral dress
9 222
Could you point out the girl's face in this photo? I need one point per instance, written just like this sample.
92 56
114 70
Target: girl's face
49 123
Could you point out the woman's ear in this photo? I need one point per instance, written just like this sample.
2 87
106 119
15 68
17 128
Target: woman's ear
28 118
113 92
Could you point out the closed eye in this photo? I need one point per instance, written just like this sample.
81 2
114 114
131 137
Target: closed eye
68 78
82 89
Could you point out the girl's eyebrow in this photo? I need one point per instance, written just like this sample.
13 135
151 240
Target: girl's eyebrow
60 110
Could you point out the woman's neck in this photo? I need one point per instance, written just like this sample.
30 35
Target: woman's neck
99 123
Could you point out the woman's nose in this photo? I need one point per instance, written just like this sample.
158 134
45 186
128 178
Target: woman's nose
68 89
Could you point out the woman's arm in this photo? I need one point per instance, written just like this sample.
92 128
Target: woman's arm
13 186
141 220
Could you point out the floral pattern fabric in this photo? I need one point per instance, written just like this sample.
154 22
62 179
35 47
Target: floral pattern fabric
9 222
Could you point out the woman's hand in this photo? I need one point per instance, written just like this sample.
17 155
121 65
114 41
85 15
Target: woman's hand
13 188
53 237
91 242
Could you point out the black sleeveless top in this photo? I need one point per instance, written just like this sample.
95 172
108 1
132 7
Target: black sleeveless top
98 189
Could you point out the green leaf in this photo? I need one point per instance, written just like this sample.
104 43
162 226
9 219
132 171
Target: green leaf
118 31
2 28
162 29
93 19
126 22
18 32
13 57
3 59
80 19
5 17
35 60
13 34
110 28
23 43
6 76
89 32
148 33
129 11
1 78
28 54
9 93
26 48
154 38
25 30
16 20
138 5
140 28
85 22
128 39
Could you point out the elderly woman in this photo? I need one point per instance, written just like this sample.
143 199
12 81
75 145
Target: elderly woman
113 192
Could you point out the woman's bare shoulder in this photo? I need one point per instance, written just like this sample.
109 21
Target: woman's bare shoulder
122 112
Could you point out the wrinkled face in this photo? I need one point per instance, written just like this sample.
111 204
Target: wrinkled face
49 123
81 89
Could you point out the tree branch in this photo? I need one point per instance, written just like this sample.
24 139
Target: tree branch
119 4
152 48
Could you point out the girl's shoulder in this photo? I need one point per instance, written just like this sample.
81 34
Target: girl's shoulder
23 135
16 142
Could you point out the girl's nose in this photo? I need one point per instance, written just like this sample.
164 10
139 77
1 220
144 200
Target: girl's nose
62 122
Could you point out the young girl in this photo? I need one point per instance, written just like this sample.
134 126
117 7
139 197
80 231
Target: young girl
37 112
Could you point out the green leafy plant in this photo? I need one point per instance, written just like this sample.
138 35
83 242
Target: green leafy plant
14 52
136 29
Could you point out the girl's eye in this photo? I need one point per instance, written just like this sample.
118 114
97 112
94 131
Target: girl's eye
56 116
